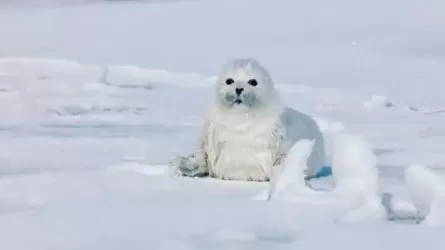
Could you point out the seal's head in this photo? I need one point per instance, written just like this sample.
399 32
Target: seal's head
244 85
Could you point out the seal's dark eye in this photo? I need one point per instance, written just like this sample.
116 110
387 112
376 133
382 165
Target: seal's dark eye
229 81
252 82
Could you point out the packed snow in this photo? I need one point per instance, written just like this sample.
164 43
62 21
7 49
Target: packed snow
97 96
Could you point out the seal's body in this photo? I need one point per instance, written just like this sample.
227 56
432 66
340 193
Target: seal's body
248 131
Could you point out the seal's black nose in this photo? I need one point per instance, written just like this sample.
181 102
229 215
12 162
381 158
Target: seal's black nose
239 91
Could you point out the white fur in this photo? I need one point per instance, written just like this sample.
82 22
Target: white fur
246 141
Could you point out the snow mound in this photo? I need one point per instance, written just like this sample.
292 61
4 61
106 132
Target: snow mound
421 185
354 165
355 198
427 191
399 208
291 174
356 177
436 217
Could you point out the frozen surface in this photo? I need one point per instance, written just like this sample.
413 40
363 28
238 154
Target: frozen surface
96 98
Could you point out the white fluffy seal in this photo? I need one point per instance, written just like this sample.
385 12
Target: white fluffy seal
248 130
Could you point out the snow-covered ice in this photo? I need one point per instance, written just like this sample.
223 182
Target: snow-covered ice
97 97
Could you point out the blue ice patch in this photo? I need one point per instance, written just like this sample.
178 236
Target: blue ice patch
325 171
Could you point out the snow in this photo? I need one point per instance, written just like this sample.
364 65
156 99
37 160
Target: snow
355 173
427 191
354 197
354 165
291 175
436 217
96 98
421 185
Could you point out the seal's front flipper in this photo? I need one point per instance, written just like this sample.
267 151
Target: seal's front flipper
187 166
